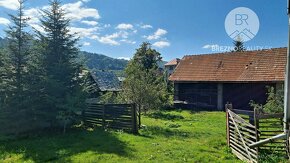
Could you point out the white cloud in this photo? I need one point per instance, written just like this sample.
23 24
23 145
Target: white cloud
160 32
37 27
114 39
107 26
33 14
86 0
92 23
146 26
10 4
83 32
128 41
210 46
125 58
4 21
108 39
76 11
86 44
161 44
124 26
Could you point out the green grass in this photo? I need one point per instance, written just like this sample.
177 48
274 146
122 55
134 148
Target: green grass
166 137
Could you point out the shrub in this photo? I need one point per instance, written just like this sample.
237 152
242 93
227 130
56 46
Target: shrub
274 103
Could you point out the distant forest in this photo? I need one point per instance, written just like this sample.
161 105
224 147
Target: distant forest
102 62
94 60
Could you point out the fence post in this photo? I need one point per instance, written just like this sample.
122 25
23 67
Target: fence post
228 106
103 116
256 123
134 119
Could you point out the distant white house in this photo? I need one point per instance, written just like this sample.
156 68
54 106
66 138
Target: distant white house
171 65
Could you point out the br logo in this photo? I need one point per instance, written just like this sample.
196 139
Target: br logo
242 24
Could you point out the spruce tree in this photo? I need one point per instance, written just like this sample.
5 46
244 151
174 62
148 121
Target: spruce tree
62 86
239 45
18 50
3 79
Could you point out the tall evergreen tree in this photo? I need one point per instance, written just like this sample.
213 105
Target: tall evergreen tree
3 79
60 53
19 49
239 45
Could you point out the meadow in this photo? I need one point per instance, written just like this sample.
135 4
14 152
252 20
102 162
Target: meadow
171 136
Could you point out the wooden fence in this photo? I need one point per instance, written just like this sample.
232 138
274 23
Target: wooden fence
246 127
115 116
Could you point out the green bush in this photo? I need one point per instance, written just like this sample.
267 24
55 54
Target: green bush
274 103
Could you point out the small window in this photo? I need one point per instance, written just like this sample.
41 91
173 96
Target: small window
171 68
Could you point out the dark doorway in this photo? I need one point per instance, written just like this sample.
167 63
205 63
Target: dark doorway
240 94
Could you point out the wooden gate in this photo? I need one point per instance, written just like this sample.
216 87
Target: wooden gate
246 127
240 135
115 116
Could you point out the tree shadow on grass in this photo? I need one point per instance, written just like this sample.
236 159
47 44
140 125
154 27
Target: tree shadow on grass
165 116
151 131
59 148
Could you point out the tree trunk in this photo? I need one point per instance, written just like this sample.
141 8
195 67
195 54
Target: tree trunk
139 111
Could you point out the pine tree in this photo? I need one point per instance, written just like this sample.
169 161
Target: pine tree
19 49
239 45
3 79
60 53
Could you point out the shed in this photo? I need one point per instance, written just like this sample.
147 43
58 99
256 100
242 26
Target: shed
209 81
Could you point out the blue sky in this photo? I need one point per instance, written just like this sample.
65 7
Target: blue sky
174 27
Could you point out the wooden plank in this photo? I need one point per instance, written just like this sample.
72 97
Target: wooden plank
92 117
243 123
271 126
246 134
241 157
274 131
119 105
275 147
268 135
134 119
248 141
237 119
272 121
268 116
244 144
117 116
243 112
126 112
227 127
238 144
241 152
246 129
118 119
93 113
93 122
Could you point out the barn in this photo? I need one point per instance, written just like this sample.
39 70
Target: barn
209 81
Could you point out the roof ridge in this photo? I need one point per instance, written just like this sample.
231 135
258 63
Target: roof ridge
222 53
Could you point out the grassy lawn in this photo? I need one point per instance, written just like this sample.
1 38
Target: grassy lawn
166 137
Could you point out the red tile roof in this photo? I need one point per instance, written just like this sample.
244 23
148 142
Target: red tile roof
172 62
261 65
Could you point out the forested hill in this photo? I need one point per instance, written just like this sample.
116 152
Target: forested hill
98 61
93 60
102 62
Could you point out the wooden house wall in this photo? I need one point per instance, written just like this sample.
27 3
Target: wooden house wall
197 95
205 95
240 94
